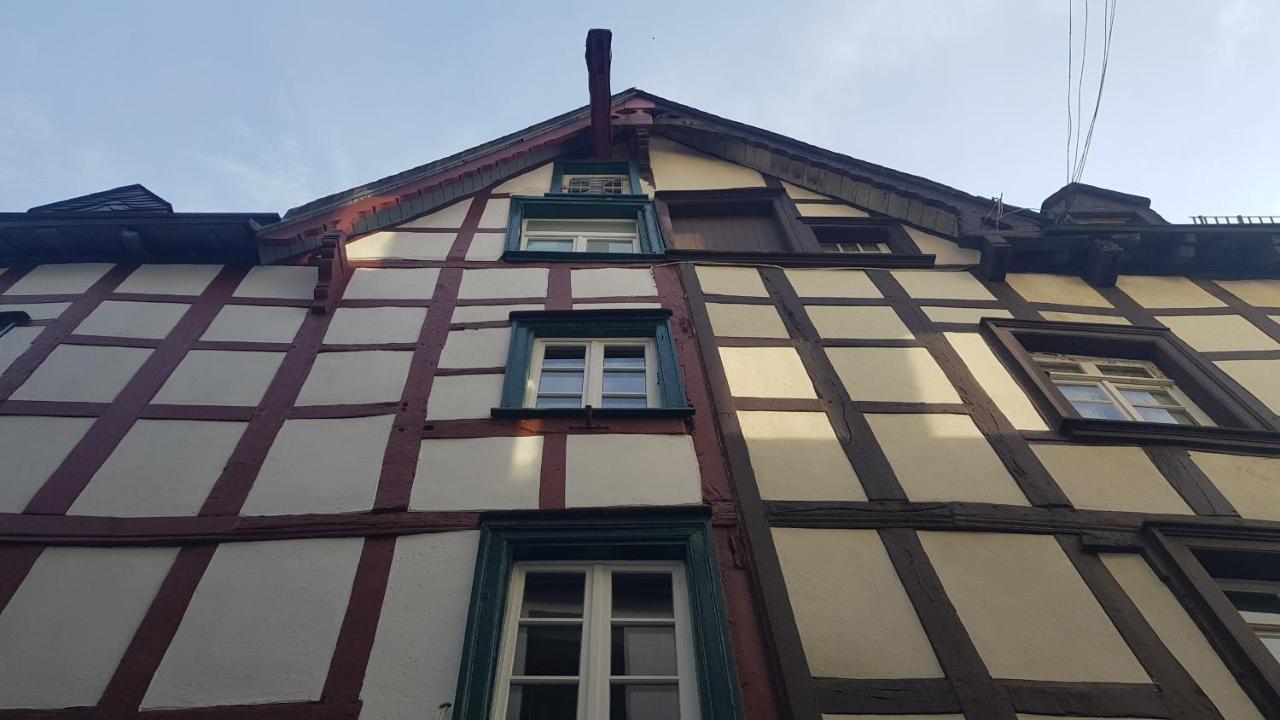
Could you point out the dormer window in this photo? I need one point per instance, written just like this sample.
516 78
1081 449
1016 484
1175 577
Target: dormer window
861 236
855 247
596 185
580 235
595 178
575 228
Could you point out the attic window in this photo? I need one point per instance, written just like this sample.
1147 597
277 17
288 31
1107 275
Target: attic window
596 185
582 227
599 178
861 236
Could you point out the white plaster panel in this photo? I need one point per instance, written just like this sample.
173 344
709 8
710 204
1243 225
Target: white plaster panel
498 473
42 443
487 313
798 193
69 623
1250 484
70 279
496 214
958 466
617 306
279 281
534 182
829 210
614 470
1025 716
37 311
359 326
255 323
261 626
1058 289
418 646
766 372
892 375
832 284
16 342
677 167
169 279
132 319
991 374
1258 293
613 282
796 456
1027 610
1212 333
759 321
392 284
82 373
854 617
1058 316
321 466
963 315
475 348
1152 291
486 247
945 252
160 468
862 323
401 246
220 377
1259 377
349 378
449 217
717 280
829 716
1097 477
459 397
503 283
941 285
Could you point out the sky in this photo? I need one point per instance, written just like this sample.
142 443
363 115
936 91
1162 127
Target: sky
261 106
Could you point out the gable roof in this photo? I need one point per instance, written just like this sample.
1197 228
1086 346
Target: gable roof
126 198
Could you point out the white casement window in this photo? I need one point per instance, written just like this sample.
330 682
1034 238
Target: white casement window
866 248
1259 604
595 236
597 185
602 373
1118 389
596 641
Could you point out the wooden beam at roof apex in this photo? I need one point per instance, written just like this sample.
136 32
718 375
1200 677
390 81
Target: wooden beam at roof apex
599 57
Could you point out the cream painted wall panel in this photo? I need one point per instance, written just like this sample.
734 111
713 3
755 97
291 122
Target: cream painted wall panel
261 626
796 456
946 252
498 473
449 217
1259 377
132 319
860 323
1097 477
1213 333
37 311
535 182
828 716
1083 317
82 373
459 397
613 282
160 468
1028 611
963 315
486 246
169 279
255 323
759 321
504 283
1151 291
958 464
766 372
360 326
991 374
1024 716
615 470
487 313
497 212
854 616
220 377
417 650
321 466
476 348
348 378
891 375
15 343
798 193
1058 289
829 210
616 306
279 281
401 246
718 280
392 284
941 285
1258 293
70 622
677 167
70 278
1179 633
832 284
42 443
1250 484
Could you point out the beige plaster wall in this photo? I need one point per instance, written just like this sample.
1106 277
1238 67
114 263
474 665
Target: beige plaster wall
963 315
676 167
366 376
946 251
401 246
16 342
720 280
42 443
279 281
392 284
991 374
1214 333
859 323
495 473
132 319
941 285
616 470
759 321
796 456
1259 293
496 214
1259 377
220 377
487 313
464 396
1156 292
504 283
375 325
255 323
775 372
1250 484
832 284
1058 316
798 193
829 210
39 311
169 279
534 182
82 373
1102 477
476 348
1058 289
891 375
69 278
944 458
613 282
446 217
486 247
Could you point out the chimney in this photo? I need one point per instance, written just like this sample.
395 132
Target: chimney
598 58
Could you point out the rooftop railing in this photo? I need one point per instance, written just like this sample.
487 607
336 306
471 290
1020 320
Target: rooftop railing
1235 219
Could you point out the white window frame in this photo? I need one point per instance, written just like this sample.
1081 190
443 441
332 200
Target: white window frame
856 248
624 188
578 238
594 677
1112 385
593 372
1265 629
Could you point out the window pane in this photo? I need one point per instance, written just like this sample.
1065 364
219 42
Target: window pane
1091 393
547 650
560 382
549 245
1257 602
1148 397
1168 417
1272 643
610 246
642 595
644 702
1099 411
543 702
624 356
1125 371
1060 366
558 402
643 651
581 227
625 382
624 402
564 356
552 595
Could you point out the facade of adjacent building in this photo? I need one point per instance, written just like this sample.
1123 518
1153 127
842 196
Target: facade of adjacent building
639 413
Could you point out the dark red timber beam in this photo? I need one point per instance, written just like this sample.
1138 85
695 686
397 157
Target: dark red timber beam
599 56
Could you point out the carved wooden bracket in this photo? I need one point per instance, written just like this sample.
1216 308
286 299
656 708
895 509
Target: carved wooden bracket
335 271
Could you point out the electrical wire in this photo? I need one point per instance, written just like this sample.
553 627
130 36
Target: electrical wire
1110 20
1071 41
1084 56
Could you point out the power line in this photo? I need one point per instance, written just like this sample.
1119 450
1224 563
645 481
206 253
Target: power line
1071 41
1077 153
1110 19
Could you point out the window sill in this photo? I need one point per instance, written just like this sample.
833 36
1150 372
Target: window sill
523 412
799 259
624 197
580 257
1205 438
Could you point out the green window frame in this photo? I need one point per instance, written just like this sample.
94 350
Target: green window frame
682 535
596 167
585 207
528 327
